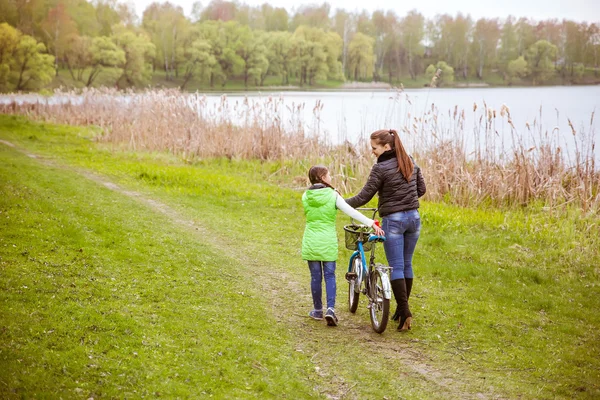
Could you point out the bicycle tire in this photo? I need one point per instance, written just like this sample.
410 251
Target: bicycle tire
379 309
353 287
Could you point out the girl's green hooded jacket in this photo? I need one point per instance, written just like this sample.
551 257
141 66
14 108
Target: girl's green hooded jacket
320 238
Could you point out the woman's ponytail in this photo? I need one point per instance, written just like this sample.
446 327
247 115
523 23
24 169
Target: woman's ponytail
405 163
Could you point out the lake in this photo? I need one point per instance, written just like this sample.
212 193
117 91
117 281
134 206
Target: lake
353 115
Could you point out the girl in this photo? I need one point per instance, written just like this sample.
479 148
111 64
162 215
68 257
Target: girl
319 244
399 183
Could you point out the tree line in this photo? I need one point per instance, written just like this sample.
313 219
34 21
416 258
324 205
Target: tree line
227 41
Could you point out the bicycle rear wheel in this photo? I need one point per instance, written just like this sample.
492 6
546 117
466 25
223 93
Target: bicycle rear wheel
354 285
379 307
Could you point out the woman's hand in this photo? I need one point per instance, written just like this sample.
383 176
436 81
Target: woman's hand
377 229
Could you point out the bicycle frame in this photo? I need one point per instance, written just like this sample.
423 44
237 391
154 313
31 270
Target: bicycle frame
387 290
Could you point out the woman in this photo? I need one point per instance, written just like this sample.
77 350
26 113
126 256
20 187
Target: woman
399 183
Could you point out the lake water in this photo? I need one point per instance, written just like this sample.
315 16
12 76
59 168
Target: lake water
353 115
534 111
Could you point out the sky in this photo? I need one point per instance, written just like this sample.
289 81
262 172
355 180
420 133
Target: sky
575 10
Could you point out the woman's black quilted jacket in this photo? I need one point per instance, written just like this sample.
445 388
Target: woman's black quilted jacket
395 193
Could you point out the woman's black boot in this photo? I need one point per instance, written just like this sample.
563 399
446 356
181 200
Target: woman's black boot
400 293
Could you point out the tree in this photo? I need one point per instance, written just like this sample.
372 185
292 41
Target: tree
30 66
210 31
413 29
313 16
107 16
219 10
460 32
576 39
279 56
360 56
364 24
198 61
104 53
509 43
196 11
593 48
441 74
224 39
517 69
83 14
451 40
252 51
331 44
9 39
139 52
540 59
525 36
485 43
384 43
167 27
9 12
344 26
276 19
58 27
309 58
78 56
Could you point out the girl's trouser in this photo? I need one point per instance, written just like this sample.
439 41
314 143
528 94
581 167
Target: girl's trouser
402 231
318 270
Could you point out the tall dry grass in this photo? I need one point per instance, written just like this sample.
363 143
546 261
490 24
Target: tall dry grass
495 164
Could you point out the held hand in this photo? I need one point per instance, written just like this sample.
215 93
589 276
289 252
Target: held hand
377 229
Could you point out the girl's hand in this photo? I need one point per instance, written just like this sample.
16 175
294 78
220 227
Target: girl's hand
377 229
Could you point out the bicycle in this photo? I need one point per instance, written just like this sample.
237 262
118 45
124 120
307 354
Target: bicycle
373 282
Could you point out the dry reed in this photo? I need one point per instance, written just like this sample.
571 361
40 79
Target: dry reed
485 169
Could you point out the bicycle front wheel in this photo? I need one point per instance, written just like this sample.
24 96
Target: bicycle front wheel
354 285
379 306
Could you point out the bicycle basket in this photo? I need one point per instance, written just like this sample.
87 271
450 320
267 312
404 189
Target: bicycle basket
353 234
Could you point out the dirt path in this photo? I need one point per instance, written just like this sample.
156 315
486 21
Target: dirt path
282 290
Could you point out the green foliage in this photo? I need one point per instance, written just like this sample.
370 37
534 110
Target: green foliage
412 36
198 61
440 74
30 66
279 55
168 30
137 68
23 62
9 39
361 57
480 49
252 50
104 54
540 59
517 69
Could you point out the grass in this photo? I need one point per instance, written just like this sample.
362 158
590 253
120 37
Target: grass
102 298
105 295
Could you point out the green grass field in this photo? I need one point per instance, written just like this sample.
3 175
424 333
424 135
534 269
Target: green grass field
127 275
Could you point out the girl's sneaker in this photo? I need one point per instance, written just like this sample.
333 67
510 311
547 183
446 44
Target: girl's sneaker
331 318
316 314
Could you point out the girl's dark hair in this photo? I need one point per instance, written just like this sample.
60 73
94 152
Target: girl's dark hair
316 174
405 164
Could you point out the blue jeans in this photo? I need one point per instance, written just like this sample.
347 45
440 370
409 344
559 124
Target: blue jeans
402 231
318 269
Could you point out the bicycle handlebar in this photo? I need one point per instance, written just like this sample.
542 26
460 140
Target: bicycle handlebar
376 238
